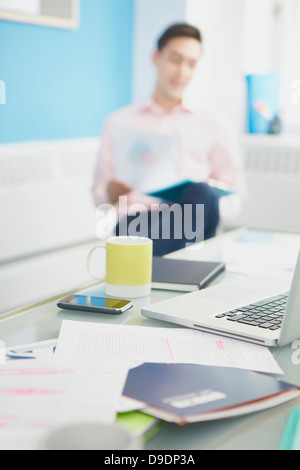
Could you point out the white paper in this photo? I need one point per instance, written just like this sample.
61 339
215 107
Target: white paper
161 345
259 269
274 257
144 161
127 404
36 395
31 7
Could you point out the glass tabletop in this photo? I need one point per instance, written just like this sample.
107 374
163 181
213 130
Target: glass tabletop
256 431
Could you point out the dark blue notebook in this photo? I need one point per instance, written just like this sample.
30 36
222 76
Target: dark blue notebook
183 275
184 393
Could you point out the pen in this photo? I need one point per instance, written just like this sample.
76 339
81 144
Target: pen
22 353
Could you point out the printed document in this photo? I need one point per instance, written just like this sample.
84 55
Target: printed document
263 253
143 160
36 395
146 162
160 345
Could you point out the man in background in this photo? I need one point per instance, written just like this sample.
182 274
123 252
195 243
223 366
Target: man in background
203 149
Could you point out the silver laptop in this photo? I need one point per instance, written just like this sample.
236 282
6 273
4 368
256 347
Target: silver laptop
260 310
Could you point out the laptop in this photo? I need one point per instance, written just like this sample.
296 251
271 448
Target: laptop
257 309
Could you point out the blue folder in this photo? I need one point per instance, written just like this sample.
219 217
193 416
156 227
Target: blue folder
187 392
173 193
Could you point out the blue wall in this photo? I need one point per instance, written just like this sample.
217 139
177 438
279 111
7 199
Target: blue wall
61 84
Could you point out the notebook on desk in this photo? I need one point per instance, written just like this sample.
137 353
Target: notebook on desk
183 275
255 308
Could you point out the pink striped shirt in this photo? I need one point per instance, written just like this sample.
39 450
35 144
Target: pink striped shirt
204 148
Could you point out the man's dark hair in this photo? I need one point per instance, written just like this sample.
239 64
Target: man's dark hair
179 30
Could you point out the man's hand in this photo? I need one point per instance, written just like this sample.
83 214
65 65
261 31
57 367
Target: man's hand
115 189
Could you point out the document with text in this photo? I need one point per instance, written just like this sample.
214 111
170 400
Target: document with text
161 345
37 395
143 160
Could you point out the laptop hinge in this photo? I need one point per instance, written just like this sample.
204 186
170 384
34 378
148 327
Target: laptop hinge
233 335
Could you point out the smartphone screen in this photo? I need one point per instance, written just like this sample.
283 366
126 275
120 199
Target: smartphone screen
100 302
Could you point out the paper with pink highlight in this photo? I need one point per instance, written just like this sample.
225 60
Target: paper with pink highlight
36 395
161 345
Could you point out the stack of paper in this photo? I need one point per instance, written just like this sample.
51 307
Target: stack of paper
186 375
95 363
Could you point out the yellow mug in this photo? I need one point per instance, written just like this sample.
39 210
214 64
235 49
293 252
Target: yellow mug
128 266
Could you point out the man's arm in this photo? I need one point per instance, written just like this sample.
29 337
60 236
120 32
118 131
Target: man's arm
115 189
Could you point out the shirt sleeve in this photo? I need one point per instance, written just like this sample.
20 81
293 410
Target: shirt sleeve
227 167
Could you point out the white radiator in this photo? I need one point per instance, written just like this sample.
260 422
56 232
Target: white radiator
272 166
45 196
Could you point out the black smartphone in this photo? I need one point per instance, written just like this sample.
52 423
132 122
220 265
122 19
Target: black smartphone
94 304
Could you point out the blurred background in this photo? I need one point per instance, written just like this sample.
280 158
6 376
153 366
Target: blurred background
65 65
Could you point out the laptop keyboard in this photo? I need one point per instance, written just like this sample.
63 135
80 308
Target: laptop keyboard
267 313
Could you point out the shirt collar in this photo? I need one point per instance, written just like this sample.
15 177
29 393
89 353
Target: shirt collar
152 107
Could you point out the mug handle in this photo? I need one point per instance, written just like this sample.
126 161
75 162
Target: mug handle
89 261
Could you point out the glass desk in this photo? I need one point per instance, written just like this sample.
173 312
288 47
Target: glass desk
261 430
